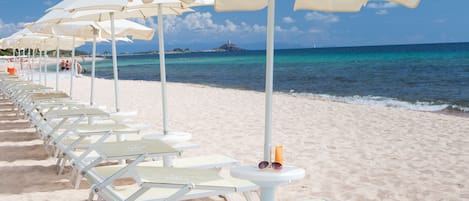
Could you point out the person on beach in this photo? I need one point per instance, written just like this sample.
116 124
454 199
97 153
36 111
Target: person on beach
67 65
78 66
62 65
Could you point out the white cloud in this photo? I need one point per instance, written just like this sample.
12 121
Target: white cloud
231 26
288 20
200 27
6 29
259 28
382 5
291 29
382 12
202 23
321 17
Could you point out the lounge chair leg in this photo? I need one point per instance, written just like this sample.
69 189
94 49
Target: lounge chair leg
78 180
58 163
62 166
91 195
72 175
57 153
49 148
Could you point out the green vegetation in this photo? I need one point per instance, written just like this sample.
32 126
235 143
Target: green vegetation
181 50
66 53
6 52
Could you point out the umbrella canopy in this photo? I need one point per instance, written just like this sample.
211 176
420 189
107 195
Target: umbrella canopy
90 30
343 6
27 39
137 9
320 5
60 22
55 16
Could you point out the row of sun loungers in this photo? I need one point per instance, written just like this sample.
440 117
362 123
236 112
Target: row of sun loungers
88 138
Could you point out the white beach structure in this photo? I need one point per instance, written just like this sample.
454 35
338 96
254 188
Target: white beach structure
27 39
88 9
109 10
60 22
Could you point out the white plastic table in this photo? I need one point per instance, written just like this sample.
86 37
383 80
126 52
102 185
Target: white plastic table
268 179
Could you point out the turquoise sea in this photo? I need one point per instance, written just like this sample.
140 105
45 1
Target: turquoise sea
428 77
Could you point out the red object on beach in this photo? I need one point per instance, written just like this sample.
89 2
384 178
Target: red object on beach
11 71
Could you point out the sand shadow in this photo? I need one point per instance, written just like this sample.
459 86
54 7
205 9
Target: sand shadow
6 102
14 153
33 179
21 136
14 125
6 108
7 114
8 118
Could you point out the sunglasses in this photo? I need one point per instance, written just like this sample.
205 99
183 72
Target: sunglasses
267 164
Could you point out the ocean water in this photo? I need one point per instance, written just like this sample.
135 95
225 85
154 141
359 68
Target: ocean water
429 77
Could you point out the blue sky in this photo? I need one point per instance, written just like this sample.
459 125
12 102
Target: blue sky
378 23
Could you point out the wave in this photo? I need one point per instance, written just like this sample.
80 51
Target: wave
391 102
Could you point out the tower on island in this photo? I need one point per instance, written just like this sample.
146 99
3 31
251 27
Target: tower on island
229 46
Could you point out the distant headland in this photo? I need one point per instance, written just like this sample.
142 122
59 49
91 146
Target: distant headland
226 47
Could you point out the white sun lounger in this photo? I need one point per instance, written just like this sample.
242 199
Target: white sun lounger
156 183
85 136
77 115
213 161
162 183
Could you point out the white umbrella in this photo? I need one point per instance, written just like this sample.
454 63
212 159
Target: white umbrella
343 6
100 11
139 9
90 30
27 39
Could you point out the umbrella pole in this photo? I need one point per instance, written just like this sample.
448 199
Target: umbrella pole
114 62
116 76
30 62
29 65
269 80
268 193
57 66
45 68
40 61
93 63
162 69
72 67
13 53
33 60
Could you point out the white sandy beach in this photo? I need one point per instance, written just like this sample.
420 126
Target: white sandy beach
349 152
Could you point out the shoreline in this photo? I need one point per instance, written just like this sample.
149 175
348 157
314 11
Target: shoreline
321 97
